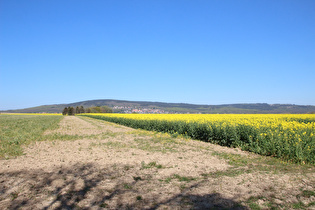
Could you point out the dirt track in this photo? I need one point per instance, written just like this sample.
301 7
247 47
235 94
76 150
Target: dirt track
115 167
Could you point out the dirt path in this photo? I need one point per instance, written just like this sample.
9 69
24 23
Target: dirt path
115 167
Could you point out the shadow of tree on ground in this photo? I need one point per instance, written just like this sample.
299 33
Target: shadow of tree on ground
85 186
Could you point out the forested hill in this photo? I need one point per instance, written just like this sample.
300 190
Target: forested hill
121 105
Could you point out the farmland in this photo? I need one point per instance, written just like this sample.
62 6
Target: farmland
289 137
19 130
79 162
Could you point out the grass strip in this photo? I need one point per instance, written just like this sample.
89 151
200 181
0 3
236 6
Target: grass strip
19 130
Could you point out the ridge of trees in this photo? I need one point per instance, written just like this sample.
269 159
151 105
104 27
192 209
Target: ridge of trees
79 110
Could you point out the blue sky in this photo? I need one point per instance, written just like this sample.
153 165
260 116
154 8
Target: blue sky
190 51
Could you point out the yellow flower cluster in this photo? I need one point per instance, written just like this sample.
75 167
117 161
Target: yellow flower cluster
286 121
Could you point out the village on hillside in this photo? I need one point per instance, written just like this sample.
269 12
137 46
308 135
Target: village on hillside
130 109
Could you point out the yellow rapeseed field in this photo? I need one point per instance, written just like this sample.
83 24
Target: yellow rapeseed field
287 136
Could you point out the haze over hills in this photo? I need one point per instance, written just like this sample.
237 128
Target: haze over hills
123 106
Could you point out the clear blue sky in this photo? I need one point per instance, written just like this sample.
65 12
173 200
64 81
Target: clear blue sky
190 51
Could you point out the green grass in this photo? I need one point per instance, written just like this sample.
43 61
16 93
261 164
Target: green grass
67 137
242 164
252 202
19 130
127 186
151 145
155 141
233 159
178 178
308 193
139 198
150 165
110 144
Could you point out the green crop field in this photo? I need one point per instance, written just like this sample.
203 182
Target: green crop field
19 130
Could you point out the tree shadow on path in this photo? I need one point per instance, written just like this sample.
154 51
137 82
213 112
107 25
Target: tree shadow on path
85 186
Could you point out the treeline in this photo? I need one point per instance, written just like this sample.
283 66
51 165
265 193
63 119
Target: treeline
79 110
72 111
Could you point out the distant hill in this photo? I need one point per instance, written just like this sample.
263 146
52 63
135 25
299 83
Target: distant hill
255 108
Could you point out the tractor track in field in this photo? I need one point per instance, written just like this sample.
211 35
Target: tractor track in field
96 165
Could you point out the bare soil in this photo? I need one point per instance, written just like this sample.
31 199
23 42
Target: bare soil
115 167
